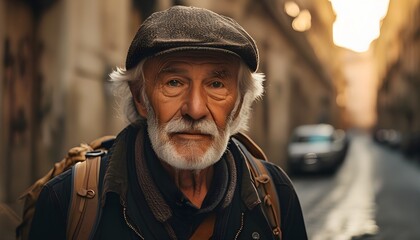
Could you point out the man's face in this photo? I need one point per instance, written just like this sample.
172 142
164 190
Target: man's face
191 96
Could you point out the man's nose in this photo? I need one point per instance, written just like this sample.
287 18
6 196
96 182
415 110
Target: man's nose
195 104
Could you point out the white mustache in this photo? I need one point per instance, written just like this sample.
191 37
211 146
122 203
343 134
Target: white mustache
183 125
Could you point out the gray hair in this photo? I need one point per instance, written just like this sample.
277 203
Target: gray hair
250 89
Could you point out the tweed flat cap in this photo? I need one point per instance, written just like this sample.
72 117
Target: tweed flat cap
191 28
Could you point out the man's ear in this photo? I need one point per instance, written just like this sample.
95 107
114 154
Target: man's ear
138 100
239 107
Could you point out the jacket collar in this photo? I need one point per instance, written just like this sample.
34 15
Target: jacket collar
116 179
249 193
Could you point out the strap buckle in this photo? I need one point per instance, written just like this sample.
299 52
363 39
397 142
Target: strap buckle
95 153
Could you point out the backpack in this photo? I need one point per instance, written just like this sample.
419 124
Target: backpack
74 156
85 161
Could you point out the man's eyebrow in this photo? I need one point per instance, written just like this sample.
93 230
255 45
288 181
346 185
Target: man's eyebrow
171 69
221 73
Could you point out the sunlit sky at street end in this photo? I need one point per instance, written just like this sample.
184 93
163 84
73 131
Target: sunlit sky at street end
358 22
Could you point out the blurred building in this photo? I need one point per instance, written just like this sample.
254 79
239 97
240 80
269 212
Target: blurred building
55 59
398 62
56 56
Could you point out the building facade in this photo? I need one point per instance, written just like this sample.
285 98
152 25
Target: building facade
398 62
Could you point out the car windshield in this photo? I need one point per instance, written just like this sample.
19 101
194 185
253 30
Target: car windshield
313 139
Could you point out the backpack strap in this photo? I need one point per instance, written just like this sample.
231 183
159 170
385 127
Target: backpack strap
84 203
84 200
262 180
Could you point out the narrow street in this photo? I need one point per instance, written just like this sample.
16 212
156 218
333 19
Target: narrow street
374 195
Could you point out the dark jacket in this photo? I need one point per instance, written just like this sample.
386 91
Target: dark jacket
125 214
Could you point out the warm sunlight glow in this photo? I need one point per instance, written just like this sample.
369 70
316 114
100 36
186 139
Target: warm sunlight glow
291 8
302 22
358 22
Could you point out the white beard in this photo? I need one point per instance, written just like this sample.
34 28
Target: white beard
166 151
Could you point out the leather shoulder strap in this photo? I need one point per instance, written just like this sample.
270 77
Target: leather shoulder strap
250 146
84 200
262 180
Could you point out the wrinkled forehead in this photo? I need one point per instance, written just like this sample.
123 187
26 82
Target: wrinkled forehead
217 60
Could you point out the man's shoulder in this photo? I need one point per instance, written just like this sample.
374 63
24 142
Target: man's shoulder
252 151
279 176
62 180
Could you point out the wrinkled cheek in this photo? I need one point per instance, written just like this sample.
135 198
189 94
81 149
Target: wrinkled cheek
223 114
222 124
166 109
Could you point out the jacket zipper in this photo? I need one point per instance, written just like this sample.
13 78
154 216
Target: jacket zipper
130 225
242 226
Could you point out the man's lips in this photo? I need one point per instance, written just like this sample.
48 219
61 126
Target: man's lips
191 135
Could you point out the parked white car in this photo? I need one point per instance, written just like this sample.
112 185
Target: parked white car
316 148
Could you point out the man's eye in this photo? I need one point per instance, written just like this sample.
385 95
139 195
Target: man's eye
217 84
174 83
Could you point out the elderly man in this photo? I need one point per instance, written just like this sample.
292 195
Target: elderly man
188 85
